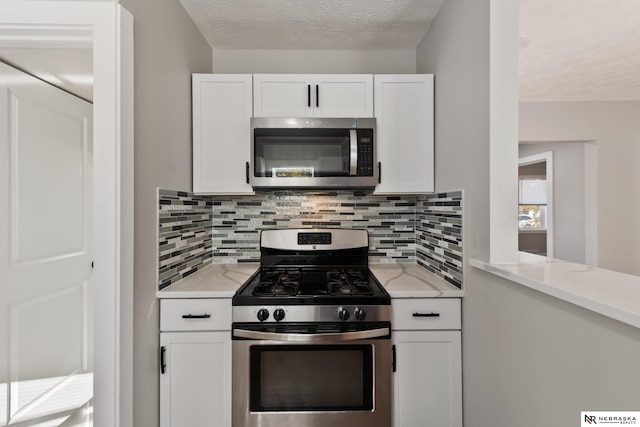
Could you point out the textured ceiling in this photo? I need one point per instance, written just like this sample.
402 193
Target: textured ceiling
313 24
569 49
579 50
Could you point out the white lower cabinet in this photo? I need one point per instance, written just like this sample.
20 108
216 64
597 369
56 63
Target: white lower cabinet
195 347
195 388
427 383
427 380
195 376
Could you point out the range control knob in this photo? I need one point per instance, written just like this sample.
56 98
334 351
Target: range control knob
263 314
343 313
278 314
359 313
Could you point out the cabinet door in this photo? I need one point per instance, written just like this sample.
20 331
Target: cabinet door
404 113
195 388
282 95
321 95
428 379
222 108
343 95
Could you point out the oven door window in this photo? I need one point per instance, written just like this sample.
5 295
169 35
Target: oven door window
311 378
301 152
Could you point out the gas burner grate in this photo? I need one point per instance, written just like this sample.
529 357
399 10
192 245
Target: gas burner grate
278 283
348 282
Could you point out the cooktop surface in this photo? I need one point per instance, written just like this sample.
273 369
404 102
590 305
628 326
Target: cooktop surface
309 285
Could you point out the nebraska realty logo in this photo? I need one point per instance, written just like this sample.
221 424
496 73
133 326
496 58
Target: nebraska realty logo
594 418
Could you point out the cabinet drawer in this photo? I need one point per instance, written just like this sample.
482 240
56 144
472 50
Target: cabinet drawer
425 313
195 314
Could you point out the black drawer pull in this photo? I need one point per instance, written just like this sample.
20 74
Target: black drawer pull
163 364
196 316
426 314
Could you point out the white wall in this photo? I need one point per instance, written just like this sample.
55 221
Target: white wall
315 61
168 48
615 128
535 360
569 202
528 359
459 61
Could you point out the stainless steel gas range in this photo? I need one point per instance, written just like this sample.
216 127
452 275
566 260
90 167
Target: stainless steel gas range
312 334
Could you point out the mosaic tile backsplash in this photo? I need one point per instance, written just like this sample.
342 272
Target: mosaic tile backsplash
197 230
439 235
184 235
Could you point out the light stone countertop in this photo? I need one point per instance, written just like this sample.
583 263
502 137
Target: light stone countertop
610 293
401 280
212 281
409 280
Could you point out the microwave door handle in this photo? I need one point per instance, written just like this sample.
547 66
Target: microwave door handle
311 338
353 158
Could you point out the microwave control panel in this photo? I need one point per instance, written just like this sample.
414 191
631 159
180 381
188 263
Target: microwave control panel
365 152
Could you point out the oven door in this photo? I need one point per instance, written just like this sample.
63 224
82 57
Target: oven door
312 380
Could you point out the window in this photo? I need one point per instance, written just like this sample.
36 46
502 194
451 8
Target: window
532 208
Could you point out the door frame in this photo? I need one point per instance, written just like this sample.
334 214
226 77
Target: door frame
111 29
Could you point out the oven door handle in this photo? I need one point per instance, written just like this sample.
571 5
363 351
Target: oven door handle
314 338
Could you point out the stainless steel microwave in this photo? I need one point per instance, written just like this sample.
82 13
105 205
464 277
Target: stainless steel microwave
313 153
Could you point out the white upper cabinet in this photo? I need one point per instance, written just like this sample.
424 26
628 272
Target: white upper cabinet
223 105
343 95
282 95
307 95
222 108
404 116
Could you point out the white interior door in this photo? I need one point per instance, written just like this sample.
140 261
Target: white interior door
45 251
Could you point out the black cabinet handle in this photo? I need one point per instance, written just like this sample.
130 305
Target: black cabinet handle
379 172
426 314
163 365
317 96
196 316
308 95
247 171
393 358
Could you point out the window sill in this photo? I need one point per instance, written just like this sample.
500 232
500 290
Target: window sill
606 292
